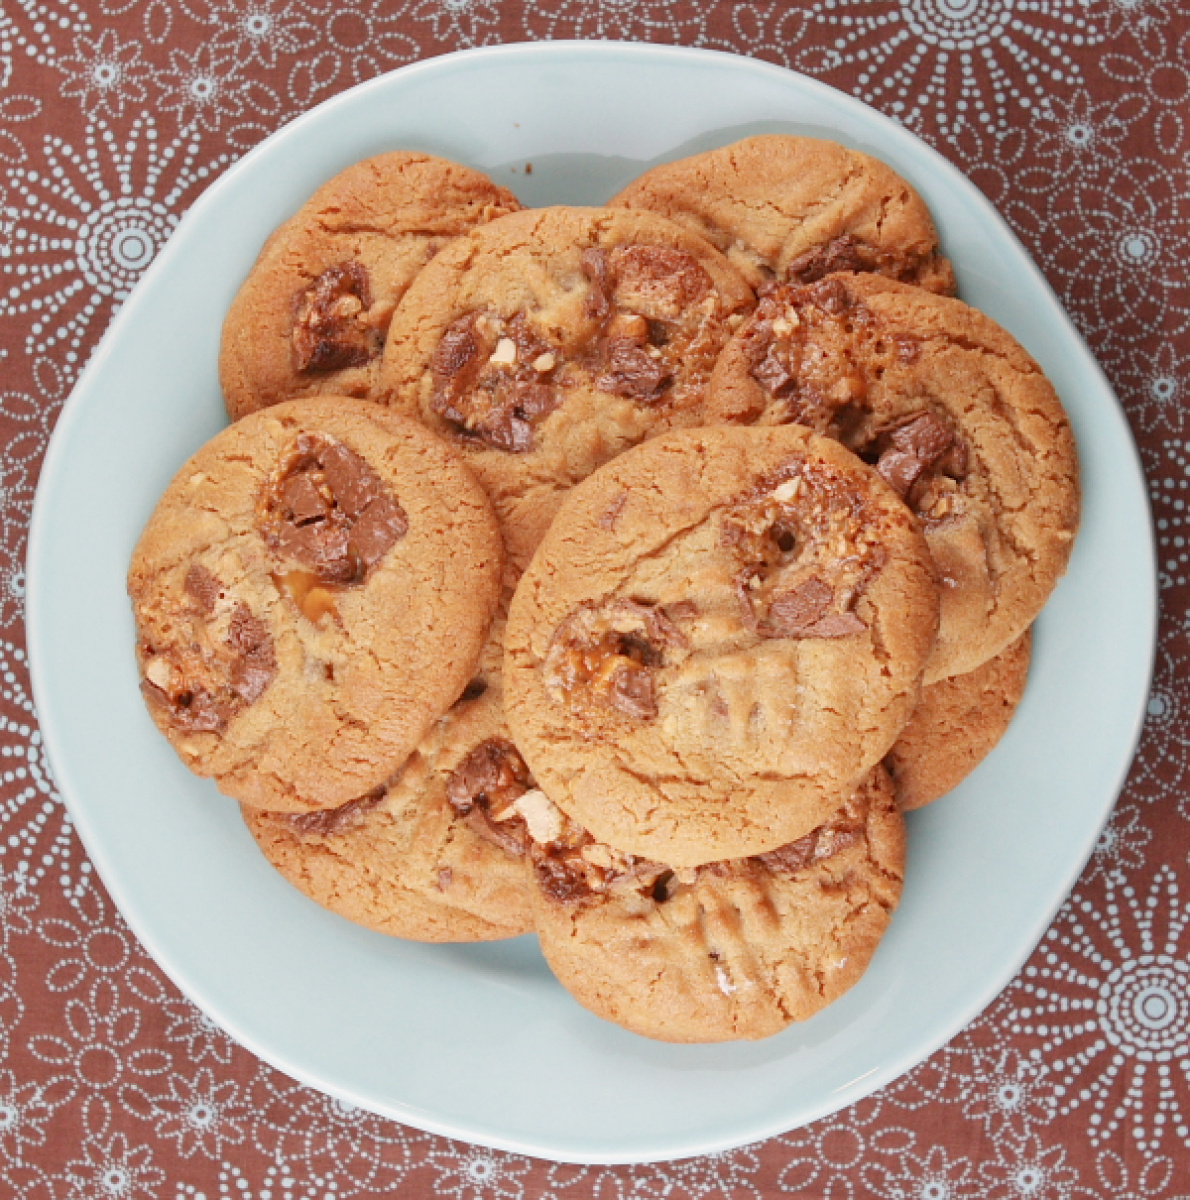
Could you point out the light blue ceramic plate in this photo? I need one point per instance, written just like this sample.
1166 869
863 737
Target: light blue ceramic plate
478 1042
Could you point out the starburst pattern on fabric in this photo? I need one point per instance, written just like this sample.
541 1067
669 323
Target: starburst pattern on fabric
1107 1005
84 224
950 63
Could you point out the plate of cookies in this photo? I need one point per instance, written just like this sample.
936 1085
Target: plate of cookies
606 638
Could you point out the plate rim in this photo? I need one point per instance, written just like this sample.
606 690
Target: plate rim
896 1064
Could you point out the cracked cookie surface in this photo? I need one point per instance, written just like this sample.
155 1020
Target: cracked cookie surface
311 593
544 344
312 315
440 853
733 949
793 209
952 412
956 725
722 632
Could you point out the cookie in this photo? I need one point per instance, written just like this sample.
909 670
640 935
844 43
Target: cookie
311 317
956 725
793 209
723 631
734 949
544 344
951 410
440 853
311 593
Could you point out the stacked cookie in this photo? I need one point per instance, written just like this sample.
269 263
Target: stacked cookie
619 573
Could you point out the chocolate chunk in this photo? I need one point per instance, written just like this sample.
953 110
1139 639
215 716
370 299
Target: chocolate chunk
773 374
486 397
460 351
658 280
834 625
840 254
593 263
632 371
255 661
331 330
192 711
493 776
330 511
793 857
792 612
831 295
560 880
329 821
632 690
202 585
916 447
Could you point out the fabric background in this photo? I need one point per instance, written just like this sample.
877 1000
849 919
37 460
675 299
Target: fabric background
1072 115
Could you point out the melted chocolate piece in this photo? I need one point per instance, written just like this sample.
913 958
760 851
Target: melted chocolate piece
209 681
202 585
487 398
329 821
330 511
921 445
840 254
484 786
632 690
331 330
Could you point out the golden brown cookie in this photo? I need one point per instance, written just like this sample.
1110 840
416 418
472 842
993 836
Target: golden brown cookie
956 725
734 949
440 853
311 317
311 593
793 209
544 344
722 632
953 413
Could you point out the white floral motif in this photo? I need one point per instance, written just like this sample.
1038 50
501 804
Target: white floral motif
459 22
104 75
359 39
1121 846
113 1170
84 227
1163 760
96 1053
24 1111
206 88
1169 491
35 832
97 944
951 63
200 1114
1110 1008
636 20
278 1183
1154 384
1131 223
934 1177
1029 1170
259 31
474 1173
1005 1093
331 1138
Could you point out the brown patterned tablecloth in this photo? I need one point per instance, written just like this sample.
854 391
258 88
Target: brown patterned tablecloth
1074 117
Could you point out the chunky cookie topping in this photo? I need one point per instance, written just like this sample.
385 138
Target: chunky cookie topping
494 379
659 330
335 324
493 791
327 510
210 662
607 656
574 868
805 555
652 333
820 355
